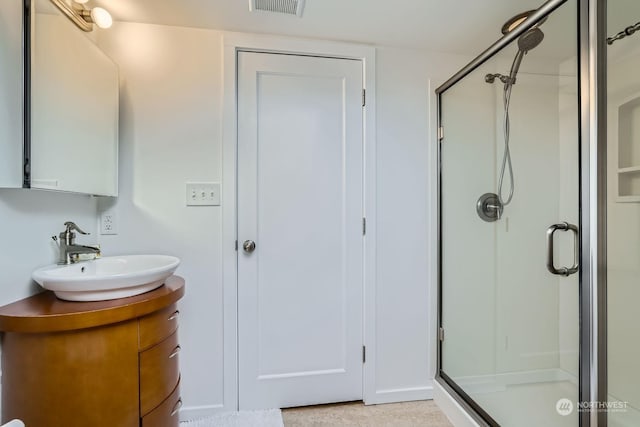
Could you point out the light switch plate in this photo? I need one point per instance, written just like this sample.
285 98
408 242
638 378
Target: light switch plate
203 193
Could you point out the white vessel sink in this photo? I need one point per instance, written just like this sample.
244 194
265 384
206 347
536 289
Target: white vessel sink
107 278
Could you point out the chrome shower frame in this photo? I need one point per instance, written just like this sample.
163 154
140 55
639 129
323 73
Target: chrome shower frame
592 36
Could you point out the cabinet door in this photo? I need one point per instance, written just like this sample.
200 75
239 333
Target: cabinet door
79 378
11 93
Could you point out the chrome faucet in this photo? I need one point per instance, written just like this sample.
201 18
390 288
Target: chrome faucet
69 251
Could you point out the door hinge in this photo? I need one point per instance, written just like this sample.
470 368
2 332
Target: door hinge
364 354
364 226
364 97
440 132
236 245
441 334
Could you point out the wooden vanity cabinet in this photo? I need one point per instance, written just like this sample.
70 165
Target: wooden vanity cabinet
99 364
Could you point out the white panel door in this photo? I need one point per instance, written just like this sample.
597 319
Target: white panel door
300 199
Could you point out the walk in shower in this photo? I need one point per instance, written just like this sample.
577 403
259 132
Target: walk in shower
537 326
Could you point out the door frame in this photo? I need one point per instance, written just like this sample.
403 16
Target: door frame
233 43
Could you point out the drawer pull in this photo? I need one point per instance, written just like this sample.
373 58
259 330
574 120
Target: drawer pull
175 352
175 315
176 407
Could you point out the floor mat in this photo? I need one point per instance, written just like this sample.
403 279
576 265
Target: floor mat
268 418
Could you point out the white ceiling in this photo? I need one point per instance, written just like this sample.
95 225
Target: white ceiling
455 26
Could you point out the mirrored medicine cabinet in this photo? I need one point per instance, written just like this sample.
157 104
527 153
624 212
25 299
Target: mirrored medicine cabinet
59 97
74 107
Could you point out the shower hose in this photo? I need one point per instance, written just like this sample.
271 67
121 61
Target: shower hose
506 156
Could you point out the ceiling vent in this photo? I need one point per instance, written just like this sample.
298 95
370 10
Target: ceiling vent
288 7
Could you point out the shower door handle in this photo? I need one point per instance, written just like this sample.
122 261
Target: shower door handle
563 271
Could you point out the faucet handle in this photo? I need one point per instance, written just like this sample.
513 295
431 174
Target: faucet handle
72 226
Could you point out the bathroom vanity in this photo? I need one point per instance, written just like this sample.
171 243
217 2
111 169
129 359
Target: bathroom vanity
100 364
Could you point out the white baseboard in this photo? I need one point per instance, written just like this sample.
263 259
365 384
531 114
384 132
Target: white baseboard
401 395
195 412
451 408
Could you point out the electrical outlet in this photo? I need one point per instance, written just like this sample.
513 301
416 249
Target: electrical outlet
108 223
203 193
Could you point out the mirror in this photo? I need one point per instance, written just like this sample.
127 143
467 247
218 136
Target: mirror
73 97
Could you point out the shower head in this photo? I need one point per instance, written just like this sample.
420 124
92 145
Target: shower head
530 40
526 42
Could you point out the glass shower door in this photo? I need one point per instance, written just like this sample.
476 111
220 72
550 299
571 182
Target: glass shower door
509 220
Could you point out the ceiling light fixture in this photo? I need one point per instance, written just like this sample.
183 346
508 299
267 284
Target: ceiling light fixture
515 21
83 17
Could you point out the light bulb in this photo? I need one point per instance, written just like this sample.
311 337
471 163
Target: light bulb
101 17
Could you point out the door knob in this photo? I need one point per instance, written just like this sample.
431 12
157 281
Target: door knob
249 246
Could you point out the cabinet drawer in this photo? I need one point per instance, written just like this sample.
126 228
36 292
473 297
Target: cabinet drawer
165 415
158 373
158 326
